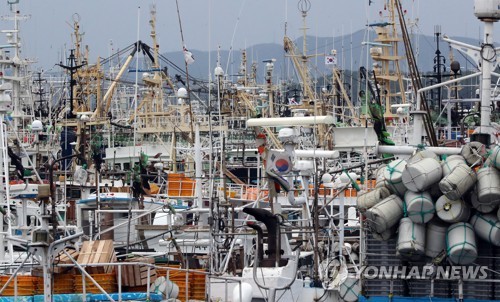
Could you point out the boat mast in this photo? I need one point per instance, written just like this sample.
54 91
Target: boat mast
300 61
16 63
5 103
386 56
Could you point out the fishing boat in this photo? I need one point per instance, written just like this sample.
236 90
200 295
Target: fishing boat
259 197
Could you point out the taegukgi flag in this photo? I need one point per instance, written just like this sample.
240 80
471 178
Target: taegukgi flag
330 60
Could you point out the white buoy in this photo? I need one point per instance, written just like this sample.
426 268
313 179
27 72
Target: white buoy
461 179
165 287
385 214
452 211
488 186
411 239
435 238
393 174
380 180
461 243
371 198
349 290
451 162
242 292
481 207
473 152
421 175
419 206
487 227
494 158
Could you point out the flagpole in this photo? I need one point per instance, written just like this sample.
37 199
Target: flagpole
136 84
187 75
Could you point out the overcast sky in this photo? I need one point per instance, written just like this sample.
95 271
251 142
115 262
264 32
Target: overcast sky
208 23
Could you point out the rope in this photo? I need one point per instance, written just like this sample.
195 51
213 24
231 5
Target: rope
494 155
447 164
405 210
413 232
349 289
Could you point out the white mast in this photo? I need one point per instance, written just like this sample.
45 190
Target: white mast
16 63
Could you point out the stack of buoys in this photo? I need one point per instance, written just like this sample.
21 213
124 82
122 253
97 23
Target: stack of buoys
437 204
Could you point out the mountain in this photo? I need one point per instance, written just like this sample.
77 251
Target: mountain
351 54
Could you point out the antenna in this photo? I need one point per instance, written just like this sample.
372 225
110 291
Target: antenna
72 68
304 7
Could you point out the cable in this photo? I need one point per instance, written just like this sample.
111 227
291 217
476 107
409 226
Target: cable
492 49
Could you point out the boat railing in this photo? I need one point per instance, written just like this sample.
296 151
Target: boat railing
252 193
170 121
192 283
244 192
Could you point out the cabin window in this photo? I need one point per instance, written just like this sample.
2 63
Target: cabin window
74 194
122 215
85 220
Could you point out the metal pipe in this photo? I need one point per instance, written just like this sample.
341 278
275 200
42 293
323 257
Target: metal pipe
120 282
410 149
417 130
486 54
290 121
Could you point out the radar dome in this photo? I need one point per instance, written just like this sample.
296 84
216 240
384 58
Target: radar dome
487 10
218 71
36 125
182 93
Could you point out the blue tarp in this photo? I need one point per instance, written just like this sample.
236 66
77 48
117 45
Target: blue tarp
17 299
125 297
61 298
139 296
415 299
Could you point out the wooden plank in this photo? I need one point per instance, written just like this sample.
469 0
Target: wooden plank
97 249
124 276
110 268
110 251
84 253
137 275
94 258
